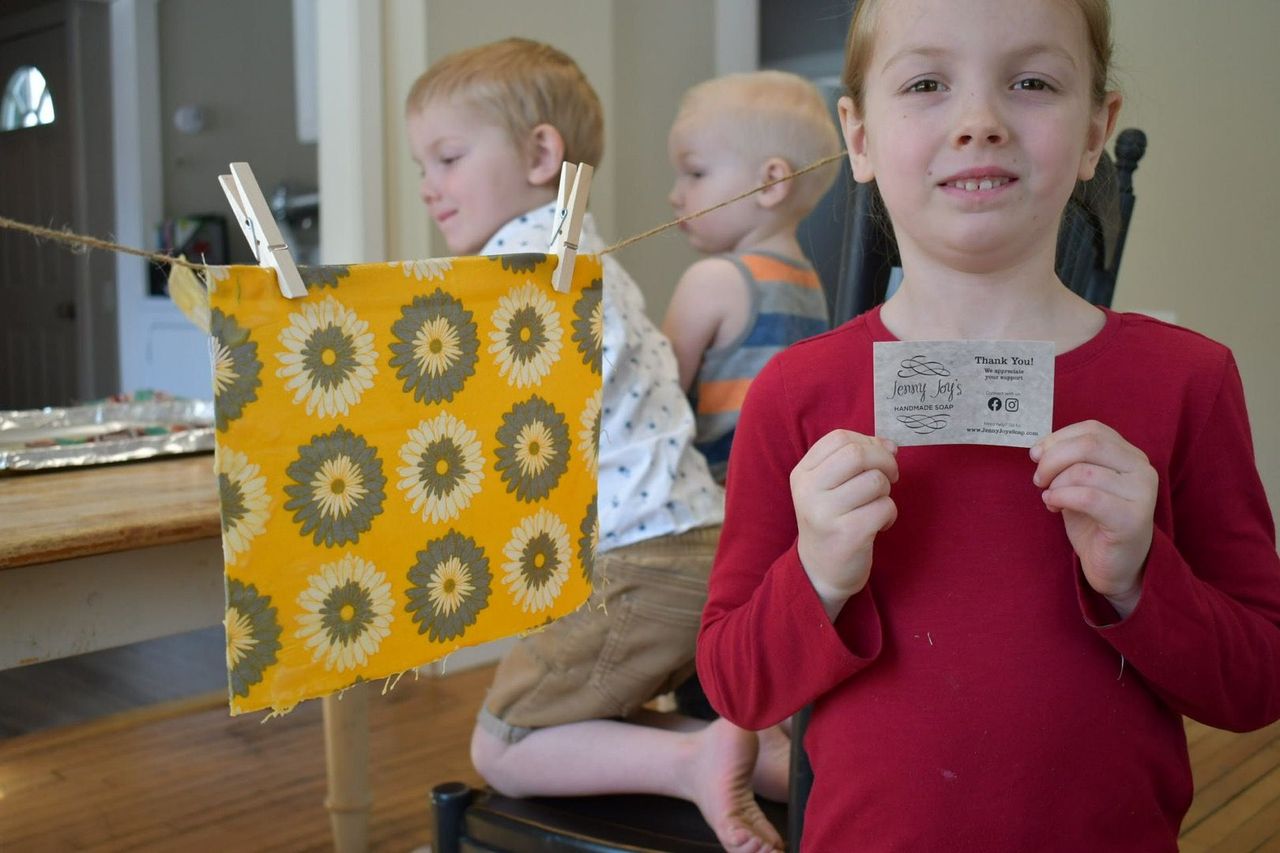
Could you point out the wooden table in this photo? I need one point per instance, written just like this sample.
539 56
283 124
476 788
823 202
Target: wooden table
100 557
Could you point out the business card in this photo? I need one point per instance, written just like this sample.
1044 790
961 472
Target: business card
964 392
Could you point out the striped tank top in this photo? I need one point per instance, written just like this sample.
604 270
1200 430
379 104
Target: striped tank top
787 304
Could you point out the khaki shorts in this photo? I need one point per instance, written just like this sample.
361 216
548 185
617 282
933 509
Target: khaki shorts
632 640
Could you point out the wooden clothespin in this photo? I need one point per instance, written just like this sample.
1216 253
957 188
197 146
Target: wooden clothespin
571 206
250 208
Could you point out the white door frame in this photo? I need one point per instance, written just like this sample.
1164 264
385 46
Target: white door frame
139 202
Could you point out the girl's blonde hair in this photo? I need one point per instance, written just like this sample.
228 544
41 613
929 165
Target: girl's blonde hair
861 43
519 84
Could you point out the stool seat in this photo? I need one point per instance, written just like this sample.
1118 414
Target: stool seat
484 820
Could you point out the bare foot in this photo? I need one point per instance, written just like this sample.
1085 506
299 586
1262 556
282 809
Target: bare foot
721 789
772 776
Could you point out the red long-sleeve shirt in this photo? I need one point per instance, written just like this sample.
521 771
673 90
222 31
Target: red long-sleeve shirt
977 694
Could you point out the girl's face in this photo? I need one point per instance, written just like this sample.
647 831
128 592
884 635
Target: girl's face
977 123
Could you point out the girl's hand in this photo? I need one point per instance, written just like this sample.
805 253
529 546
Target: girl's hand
1106 491
841 494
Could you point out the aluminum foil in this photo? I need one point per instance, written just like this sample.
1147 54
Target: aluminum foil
36 439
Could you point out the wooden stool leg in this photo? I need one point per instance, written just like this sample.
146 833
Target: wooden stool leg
346 746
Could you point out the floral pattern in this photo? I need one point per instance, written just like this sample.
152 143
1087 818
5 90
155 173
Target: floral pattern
424 270
537 561
235 368
449 586
589 435
443 467
526 338
436 347
253 635
337 487
520 262
347 613
329 359
453 384
533 449
588 324
243 498
323 276
589 542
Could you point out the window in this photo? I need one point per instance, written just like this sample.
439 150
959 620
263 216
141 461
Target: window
26 101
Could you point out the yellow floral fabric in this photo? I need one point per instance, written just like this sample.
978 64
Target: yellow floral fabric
406 463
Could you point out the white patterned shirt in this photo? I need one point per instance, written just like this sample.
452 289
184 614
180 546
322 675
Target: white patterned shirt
652 480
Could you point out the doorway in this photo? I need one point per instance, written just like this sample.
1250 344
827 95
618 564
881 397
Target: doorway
55 348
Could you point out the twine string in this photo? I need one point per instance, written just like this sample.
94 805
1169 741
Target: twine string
622 244
81 242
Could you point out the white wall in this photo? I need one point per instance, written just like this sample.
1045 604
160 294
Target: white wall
581 28
1200 79
235 59
640 57
649 86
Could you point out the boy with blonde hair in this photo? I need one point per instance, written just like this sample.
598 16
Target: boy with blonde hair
758 293
490 127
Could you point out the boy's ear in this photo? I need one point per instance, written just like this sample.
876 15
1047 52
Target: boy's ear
854 131
1102 123
774 169
546 154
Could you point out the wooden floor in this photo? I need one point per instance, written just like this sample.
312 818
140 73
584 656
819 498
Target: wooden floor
185 776
1237 802
95 685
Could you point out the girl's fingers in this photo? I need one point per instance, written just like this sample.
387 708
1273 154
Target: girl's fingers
1103 448
836 440
1103 507
879 515
857 491
840 455
853 459
1094 430
824 447
1074 430
1098 477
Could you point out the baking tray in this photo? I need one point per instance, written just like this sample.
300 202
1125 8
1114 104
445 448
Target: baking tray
36 439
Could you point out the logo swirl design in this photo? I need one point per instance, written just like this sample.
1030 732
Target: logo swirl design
924 424
918 365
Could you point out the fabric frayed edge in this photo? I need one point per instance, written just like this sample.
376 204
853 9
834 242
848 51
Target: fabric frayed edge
278 712
392 680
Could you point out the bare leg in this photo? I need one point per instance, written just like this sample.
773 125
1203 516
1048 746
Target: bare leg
772 776
711 767
667 720
723 789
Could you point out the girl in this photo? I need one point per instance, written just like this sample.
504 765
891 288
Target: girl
998 645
